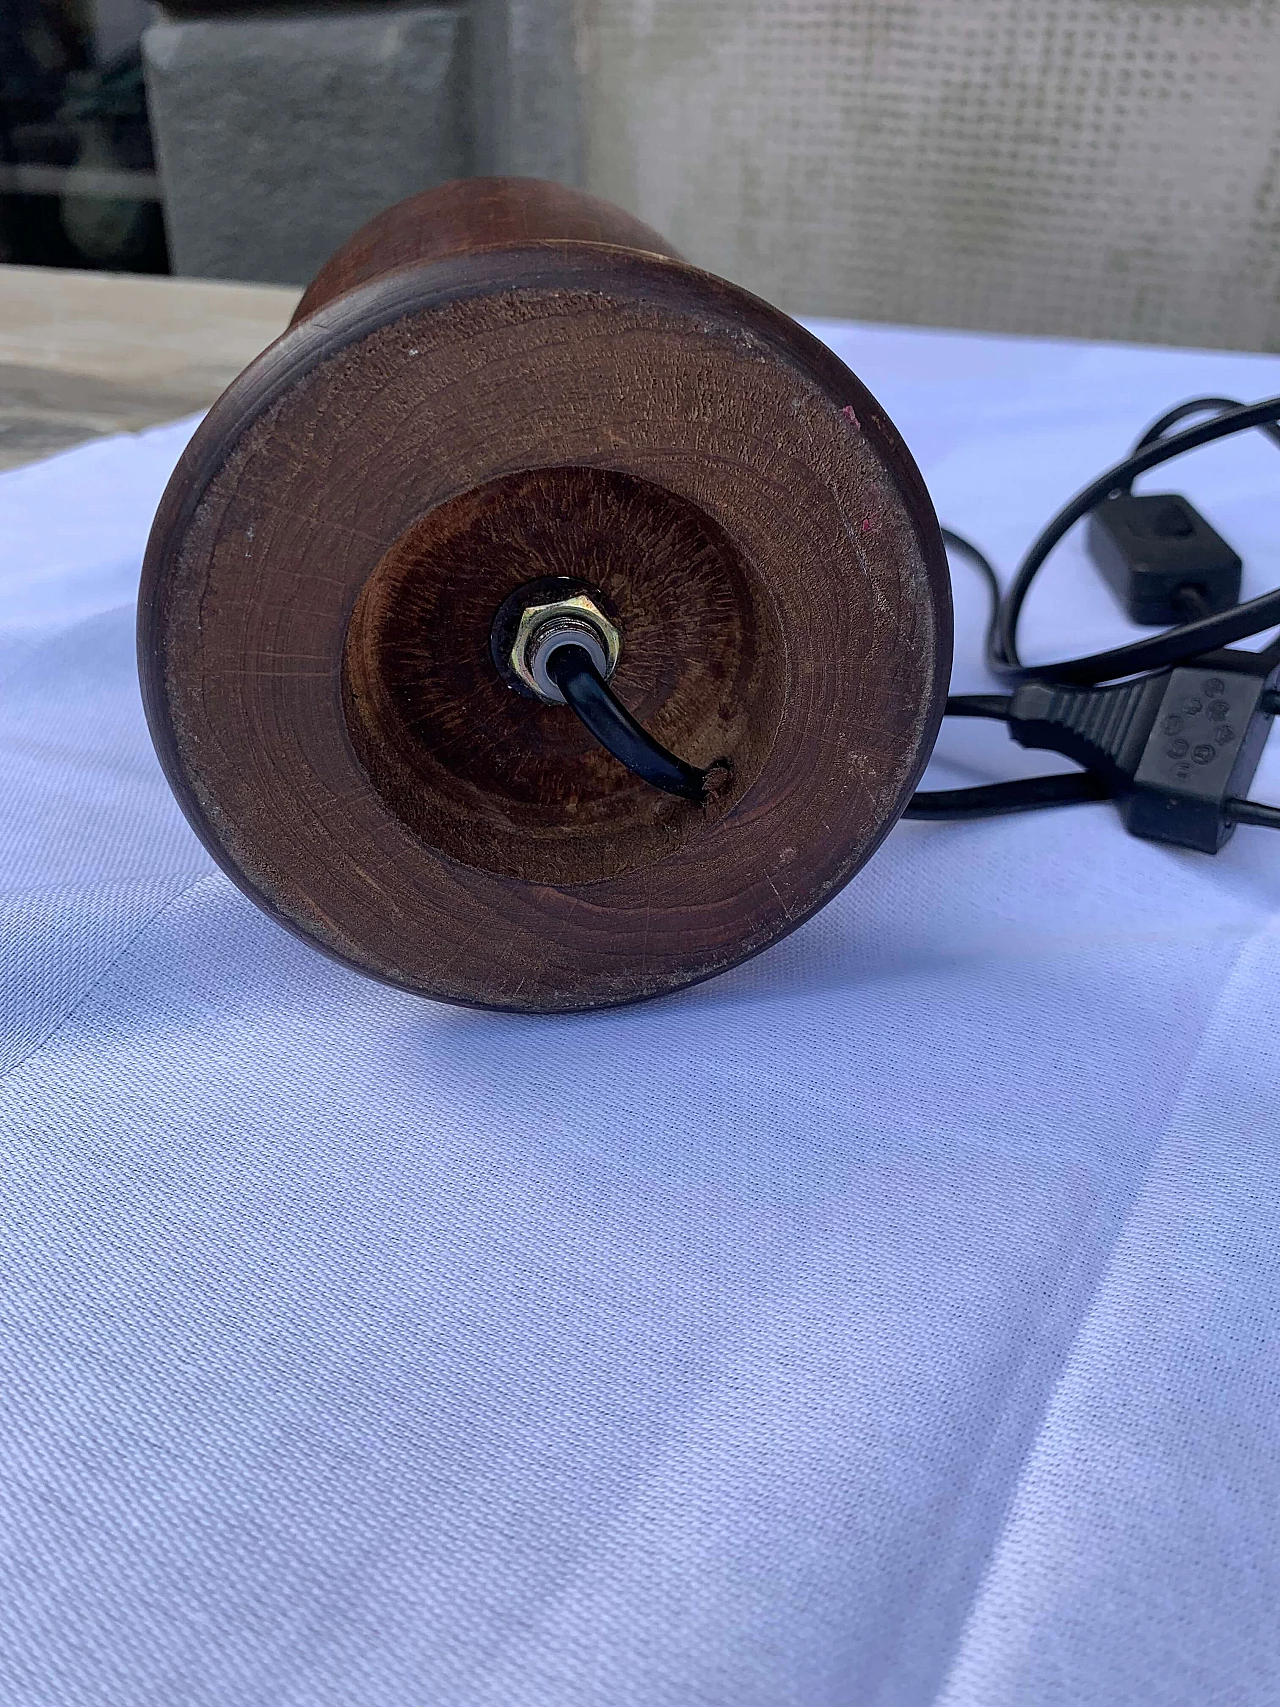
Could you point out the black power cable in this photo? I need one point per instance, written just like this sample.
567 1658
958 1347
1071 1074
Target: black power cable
1188 639
1171 785
588 696
1253 812
1064 706
968 550
997 799
1197 406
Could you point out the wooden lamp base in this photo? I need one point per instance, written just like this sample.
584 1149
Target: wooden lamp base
496 382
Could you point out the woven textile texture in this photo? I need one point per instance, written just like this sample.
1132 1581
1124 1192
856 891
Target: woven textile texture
1095 168
894 1321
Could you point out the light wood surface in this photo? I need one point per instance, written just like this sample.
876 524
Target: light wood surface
83 354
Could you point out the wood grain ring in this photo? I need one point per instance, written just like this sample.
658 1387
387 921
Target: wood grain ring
429 385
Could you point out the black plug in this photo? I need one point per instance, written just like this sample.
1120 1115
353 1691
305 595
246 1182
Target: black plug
1178 749
1163 561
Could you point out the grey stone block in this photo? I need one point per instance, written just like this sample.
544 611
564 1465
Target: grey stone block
527 86
277 137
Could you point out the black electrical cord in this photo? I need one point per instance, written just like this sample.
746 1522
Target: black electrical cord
992 705
1252 812
1202 632
587 694
968 550
997 799
1195 406
1192 602
1188 639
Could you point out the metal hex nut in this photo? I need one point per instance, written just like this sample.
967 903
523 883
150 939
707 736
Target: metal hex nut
580 610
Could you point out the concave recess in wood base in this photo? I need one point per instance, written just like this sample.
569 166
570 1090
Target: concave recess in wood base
503 782
345 523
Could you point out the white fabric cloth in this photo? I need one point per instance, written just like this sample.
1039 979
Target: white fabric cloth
895 1320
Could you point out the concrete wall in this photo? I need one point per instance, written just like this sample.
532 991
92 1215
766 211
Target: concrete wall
526 88
277 137
1092 168
1096 168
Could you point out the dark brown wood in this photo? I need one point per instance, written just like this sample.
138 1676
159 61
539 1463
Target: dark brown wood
468 215
333 546
507 783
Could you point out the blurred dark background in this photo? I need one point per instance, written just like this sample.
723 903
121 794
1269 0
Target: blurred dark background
78 186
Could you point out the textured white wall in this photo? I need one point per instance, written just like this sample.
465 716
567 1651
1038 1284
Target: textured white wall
1097 168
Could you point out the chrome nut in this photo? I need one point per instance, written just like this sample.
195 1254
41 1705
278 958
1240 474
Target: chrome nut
543 628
